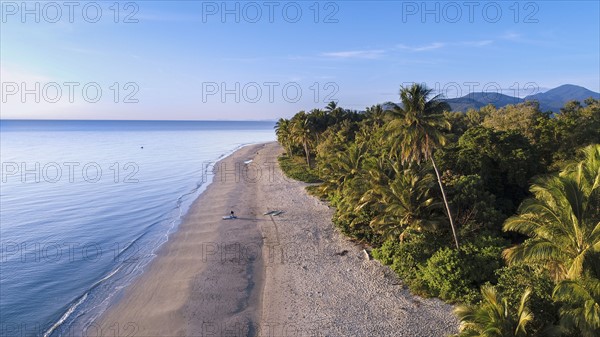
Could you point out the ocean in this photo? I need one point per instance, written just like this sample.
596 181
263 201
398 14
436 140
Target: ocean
85 204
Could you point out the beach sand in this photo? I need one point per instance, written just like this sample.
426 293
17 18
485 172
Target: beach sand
258 275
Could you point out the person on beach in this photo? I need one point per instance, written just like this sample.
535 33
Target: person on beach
232 215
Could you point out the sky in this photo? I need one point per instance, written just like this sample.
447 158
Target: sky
262 60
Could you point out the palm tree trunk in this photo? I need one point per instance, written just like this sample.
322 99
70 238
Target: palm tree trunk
437 173
306 151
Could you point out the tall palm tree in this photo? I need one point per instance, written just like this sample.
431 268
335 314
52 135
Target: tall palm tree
562 220
303 133
415 132
493 317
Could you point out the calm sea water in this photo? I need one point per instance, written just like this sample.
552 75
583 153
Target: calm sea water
84 204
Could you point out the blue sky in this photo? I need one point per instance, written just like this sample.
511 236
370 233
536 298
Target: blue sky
185 60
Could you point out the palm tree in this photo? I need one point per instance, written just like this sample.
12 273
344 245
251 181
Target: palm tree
376 114
342 167
586 172
303 132
380 170
335 112
319 121
404 204
580 305
331 106
493 317
415 132
563 223
284 133
562 220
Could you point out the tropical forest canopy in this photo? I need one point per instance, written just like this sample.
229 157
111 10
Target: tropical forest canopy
497 210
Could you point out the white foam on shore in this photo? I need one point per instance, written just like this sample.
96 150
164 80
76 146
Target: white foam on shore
71 309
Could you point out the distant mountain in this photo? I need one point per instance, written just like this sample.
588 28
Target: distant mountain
477 100
556 98
551 100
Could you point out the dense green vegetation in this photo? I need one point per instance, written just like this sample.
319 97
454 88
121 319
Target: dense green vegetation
497 210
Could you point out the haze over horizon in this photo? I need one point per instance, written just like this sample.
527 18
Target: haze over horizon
191 60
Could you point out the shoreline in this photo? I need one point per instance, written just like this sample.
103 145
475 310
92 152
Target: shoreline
158 302
86 325
258 275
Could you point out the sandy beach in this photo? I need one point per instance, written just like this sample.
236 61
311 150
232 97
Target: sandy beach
260 275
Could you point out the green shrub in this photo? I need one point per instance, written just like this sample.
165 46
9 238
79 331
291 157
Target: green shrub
406 257
484 257
447 276
387 252
456 275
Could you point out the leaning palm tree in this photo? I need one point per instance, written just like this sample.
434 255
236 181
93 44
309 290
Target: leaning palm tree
493 317
415 132
562 220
